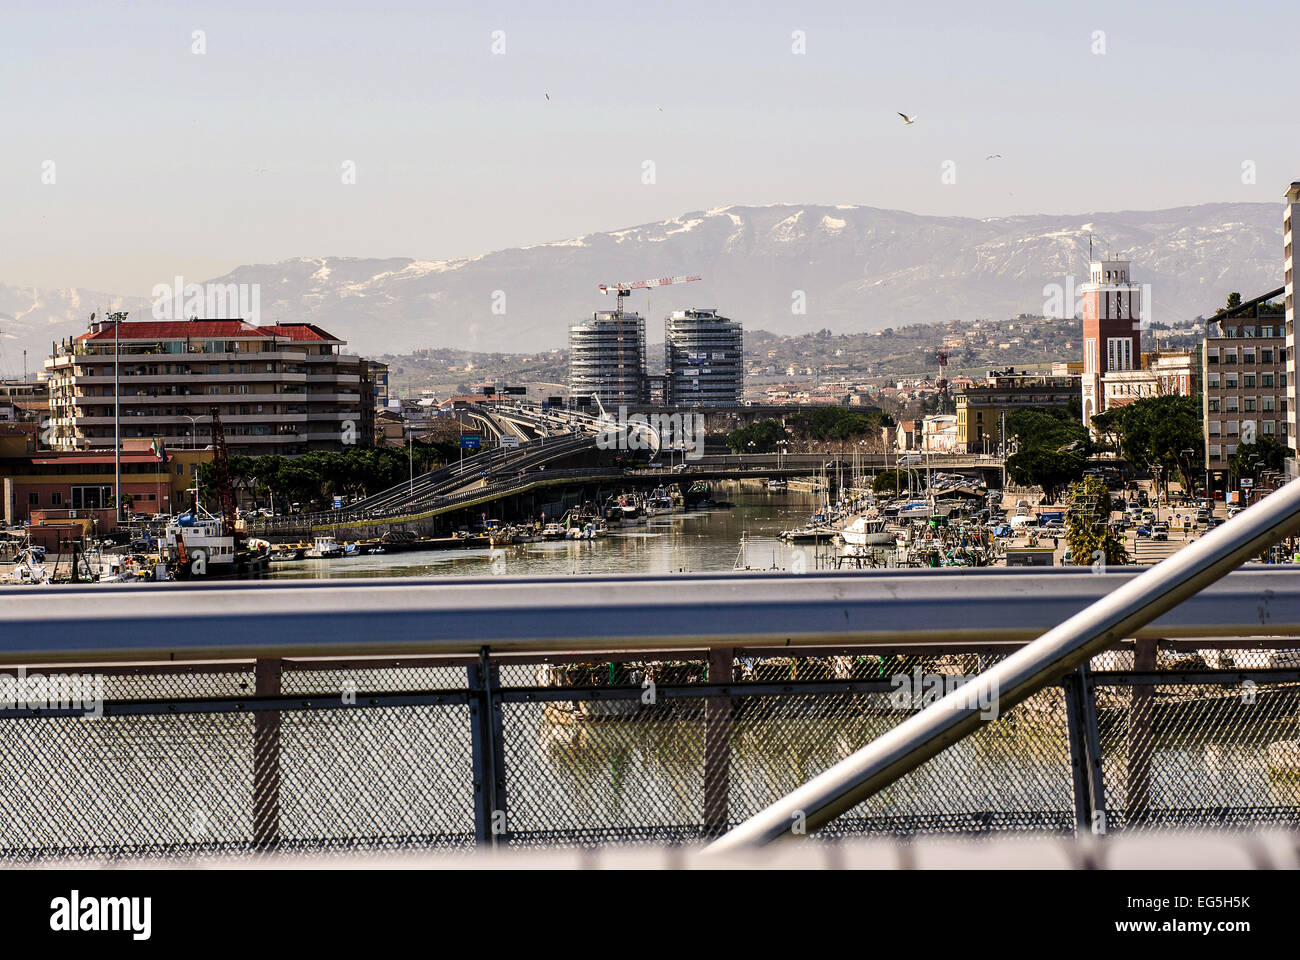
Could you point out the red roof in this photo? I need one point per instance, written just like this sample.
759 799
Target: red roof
298 331
207 330
176 329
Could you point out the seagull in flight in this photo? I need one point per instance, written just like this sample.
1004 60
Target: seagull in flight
548 96
907 121
994 156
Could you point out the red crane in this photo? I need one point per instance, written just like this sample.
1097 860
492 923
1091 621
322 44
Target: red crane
221 474
623 289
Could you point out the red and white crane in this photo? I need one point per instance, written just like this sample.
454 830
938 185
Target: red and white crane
621 290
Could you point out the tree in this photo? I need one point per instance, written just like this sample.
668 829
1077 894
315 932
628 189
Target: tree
1049 469
1052 448
763 434
1264 454
1159 431
1087 525
889 481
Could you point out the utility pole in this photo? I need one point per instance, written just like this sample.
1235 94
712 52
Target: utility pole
117 319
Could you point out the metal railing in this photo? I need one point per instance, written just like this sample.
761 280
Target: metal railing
346 717
1049 659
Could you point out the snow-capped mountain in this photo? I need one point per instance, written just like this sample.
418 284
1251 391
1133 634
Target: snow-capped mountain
851 268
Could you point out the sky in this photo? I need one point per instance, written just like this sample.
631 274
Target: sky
140 140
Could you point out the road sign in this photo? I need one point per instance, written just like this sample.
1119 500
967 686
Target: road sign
1247 483
338 503
470 441
510 443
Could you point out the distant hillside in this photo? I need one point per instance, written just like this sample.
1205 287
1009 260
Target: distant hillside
859 269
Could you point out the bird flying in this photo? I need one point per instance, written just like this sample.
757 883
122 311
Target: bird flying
907 121
548 96
994 156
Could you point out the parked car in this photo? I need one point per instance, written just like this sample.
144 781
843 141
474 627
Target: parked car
1143 532
1160 532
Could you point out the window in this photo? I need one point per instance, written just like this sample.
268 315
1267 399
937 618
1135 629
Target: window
1216 452
33 499
1266 379
1267 427
1266 331
56 498
1250 404
1267 405
1230 404
1230 428
1214 428
1248 381
1230 381
1212 356
1229 356
1213 404
1248 356
1266 355
1211 379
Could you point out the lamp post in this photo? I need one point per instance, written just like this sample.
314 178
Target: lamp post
194 429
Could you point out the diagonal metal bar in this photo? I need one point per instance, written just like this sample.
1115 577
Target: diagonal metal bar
1049 658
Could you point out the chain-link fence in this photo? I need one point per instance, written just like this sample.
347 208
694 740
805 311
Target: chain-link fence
362 756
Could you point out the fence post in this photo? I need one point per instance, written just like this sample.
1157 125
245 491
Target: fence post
266 758
487 744
1140 737
1085 752
717 745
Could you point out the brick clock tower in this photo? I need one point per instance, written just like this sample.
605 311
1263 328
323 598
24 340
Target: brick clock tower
1112 310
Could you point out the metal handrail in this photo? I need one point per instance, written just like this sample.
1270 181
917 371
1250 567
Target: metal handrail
1057 652
971 608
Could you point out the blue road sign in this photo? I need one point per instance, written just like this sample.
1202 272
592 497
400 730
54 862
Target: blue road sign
338 503
470 441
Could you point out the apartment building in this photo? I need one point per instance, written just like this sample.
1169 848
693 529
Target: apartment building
607 359
1245 376
980 409
283 389
703 359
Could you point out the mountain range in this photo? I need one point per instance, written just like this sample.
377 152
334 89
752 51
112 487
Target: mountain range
851 268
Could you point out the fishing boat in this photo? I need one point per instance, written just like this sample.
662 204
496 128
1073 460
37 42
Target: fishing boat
324 548
659 502
553 531
196 540
287 553
777 485
868 531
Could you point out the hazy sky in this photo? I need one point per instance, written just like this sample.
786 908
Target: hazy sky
166 161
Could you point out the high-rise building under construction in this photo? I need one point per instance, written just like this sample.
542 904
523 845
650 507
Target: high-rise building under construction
607 359
704 357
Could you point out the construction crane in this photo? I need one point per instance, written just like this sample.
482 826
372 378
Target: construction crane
221 474
621 290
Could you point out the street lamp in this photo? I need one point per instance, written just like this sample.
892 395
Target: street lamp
194 428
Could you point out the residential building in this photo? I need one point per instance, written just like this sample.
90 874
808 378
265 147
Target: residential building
282 389
607 359
939 433
703 359
1245 376
980 409
1159 375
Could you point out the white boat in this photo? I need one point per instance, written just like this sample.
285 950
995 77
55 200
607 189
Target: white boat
29 569
867 531
191 538
324 548
553 531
